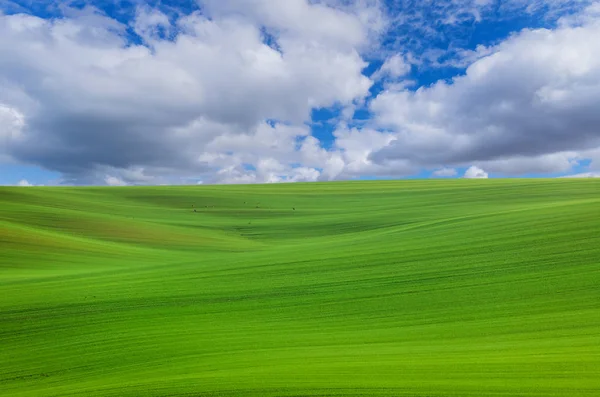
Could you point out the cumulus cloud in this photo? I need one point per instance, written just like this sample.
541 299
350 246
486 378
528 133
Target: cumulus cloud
24 183
268 171
529 106
353 148
83 99
114 181
393 67
151 24
444 173
548 163
12 123
475 173
584 175
346 25
285 153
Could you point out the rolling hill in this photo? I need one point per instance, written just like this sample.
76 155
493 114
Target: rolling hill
387 288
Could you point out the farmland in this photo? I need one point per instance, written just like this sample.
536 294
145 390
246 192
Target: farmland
386 288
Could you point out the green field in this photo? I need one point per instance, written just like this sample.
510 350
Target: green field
393 288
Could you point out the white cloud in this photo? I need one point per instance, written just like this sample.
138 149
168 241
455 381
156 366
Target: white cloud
24 182
272 151
475 173
444 173
151 24
338 24
529 106
114 181
268 171
433 33
393 67
12 123
584 175
91 102
594 156
355 147
544 164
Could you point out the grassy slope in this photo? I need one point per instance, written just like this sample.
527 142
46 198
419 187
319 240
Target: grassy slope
417 288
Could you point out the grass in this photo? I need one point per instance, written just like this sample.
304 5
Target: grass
413 288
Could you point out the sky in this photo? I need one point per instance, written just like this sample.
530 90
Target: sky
162 92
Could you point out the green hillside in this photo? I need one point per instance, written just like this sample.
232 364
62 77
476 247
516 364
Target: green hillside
395 288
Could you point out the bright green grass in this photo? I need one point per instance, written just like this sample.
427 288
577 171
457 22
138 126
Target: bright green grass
414 288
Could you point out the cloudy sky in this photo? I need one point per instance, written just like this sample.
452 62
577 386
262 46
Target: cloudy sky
250 91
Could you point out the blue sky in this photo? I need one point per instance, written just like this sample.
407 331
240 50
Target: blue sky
252 91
